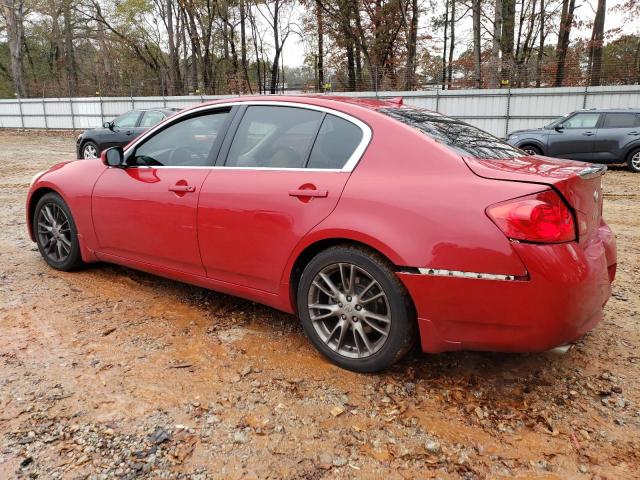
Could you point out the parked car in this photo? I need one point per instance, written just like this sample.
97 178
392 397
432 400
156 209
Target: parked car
598 136
119 131
374 222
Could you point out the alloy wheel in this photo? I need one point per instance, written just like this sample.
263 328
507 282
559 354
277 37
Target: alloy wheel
530 151
349 310
54 232
89 151
635 161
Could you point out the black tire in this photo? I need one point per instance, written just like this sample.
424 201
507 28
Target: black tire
531 150
402 326
87 146
633 160
71 259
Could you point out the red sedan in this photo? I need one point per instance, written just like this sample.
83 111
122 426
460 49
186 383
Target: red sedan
376 223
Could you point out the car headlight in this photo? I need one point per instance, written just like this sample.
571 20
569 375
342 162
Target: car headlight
36 177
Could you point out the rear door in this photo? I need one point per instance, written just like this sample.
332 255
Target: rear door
617 131
576 139
281 174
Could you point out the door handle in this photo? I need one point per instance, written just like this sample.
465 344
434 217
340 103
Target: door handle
182 188
308 193
588 134
634 133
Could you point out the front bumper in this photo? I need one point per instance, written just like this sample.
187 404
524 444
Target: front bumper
562 299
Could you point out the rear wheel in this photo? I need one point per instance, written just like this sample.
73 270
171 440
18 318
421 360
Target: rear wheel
531 150
56 233
633 161
355 310
90 150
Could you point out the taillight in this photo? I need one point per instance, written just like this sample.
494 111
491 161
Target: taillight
541 218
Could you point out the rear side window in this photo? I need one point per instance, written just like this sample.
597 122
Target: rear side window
150 118
274 137
465 139
336 142
621 120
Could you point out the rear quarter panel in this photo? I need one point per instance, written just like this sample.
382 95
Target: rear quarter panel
419 204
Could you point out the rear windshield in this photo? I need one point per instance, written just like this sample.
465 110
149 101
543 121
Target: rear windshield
465 139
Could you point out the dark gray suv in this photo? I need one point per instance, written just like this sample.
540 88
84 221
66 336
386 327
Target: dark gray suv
599 136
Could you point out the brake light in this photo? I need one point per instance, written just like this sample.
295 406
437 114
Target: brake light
540 218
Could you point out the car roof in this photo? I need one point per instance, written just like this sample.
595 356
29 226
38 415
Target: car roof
611 110
321 100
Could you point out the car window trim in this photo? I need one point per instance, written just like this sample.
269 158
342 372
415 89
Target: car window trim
215 148
349 165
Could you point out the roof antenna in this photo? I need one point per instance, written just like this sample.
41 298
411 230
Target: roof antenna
397 100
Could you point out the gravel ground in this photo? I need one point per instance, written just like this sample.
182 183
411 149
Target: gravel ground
111 373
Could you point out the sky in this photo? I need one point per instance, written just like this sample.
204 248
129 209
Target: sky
294 50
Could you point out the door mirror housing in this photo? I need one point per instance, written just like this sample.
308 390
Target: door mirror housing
108 125
559 127
113 157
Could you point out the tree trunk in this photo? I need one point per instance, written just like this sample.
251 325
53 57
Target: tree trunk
597 39
444 48
69 54
13 12
452 43
276 41
507 38
410 71
495 45
243 47
320 58
566 21
540 46
477 47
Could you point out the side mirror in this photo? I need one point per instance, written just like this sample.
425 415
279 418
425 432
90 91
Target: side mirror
113 157
559 127
108 125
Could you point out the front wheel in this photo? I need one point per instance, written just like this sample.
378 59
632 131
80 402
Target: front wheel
531 150
355 310
56 233
633 162
90 150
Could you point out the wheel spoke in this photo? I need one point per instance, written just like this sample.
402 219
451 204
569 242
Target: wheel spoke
377 317
367 288
363 336
330 284
46 211
332 311
322 289
371 299
375 327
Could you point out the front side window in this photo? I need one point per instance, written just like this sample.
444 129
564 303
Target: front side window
274 137
150 118
185 143
582 120
126 120
336 142
621 120
461 137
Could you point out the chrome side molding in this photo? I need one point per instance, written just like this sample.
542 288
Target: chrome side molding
459 274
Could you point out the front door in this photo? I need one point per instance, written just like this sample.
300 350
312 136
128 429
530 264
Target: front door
284 174
147 212
576 139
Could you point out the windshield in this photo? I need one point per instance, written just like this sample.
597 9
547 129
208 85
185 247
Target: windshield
465 139
552 124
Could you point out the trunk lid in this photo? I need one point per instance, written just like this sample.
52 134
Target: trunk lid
579 183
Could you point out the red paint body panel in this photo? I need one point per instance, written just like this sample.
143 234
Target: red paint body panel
409 197
136 216
248 222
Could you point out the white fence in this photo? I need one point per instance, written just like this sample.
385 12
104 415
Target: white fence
496 111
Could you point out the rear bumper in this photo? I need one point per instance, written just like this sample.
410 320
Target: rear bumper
562 299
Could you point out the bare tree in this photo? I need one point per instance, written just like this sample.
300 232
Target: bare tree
595 47
566 22
13 13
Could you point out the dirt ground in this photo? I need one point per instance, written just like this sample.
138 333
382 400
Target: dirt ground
111 373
